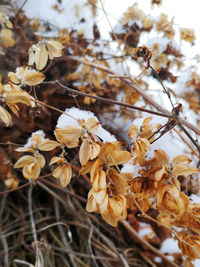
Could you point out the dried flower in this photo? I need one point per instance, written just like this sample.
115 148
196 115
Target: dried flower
31 165
40 53
63 171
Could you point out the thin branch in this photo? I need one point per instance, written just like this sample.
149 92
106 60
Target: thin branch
31 213
165 90
132 83
5 247
106 100
21 262
90 245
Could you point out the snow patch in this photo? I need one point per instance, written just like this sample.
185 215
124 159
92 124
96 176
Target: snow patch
71 117
170 246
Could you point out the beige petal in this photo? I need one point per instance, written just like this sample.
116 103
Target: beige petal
32 78
25 149
66 175
6 38
31 171
31 58
13 77
146 142
103 207
95 150
41 160
92 125
99 196
84 152
119 181
14 108
5 116
54 49
184 170
119 157
36 139
91 203
181 159
68 135
41 57
24 160
99 182
87 168
56 160
159 174
98 163
48 145
15 96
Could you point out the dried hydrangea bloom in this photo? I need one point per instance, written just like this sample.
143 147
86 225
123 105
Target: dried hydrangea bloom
10 181
116 209
63 171
191 249
38 142
143 191
5 116
41 52
12 95
190 218
26 76
163 25
181 166
6 33
31 165
187 35
170 199
139 150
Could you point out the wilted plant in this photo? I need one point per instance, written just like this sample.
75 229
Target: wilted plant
155 180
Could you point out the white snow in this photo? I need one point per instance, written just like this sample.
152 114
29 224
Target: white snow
144 229
75 114
195 200
170 246
196 263
158 259
70 16
28 144
128 168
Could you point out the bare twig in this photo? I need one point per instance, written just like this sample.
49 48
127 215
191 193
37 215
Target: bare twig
31 213
62 232
132 83
23 263
89 243
5 248
106 100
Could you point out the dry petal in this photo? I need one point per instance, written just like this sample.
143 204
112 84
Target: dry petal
5 116
68 135
32 78
6 36
31 171
54 49
56 160
48 145
15 96
84 152
180 159
24 160
184 170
